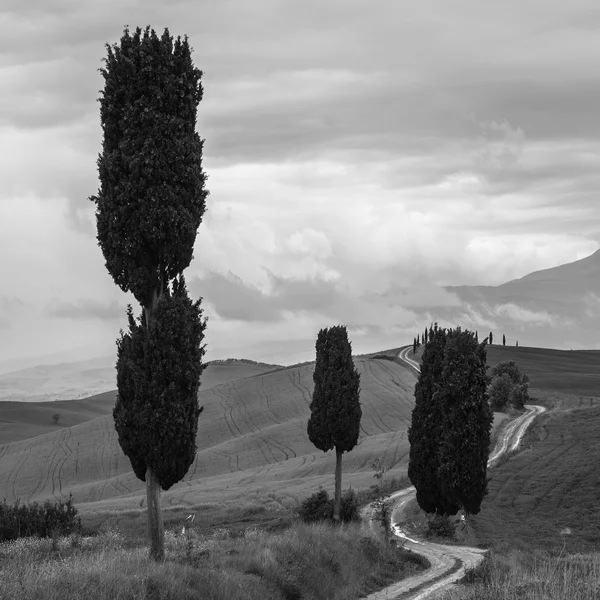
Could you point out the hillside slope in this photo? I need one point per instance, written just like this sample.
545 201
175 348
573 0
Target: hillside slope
23 420
571 372
547 495
252 435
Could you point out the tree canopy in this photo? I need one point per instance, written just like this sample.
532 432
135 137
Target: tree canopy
158 377
152 196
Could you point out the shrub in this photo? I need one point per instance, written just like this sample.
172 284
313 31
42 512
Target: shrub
440 526
349 509
41 520
319 507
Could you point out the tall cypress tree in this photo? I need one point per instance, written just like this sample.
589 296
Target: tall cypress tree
491 338
335 410
426 424
503 340
450 429
465 441
148 209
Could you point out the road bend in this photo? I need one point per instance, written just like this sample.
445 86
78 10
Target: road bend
448 563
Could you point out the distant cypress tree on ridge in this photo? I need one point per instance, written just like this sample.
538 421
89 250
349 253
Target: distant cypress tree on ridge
335 411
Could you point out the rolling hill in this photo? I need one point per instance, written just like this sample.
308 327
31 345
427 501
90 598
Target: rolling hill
547 495
252 436
21 420
575 373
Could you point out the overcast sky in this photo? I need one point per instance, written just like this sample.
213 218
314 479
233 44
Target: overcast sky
360 154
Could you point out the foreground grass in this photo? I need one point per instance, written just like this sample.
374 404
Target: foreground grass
303 562
531 576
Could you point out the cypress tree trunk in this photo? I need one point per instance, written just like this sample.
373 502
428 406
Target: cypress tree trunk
338 486
156 530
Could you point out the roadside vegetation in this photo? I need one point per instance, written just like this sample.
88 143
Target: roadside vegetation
531 576
309 561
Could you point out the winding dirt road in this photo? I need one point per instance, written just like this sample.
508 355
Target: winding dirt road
448 563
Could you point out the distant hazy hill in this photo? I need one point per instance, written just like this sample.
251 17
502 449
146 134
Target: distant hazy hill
20 420
81 379
557 307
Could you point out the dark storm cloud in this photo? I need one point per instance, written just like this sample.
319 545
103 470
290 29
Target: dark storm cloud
233 299
85 309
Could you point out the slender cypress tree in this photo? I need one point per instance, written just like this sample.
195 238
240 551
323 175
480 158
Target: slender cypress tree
414 345
465 441
335 410
491 338
503 340
425 430
148 209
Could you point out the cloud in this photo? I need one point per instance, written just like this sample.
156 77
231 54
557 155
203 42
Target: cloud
526 316
85 309
233 299
355 164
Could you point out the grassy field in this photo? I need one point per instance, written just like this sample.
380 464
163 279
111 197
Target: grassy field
546 496
22 420
572 372
531 575
252 439
315 562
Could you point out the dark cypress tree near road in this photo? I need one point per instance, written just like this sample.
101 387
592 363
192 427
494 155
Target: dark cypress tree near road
426 423
451 422
148 209
335 410
491 338
465 442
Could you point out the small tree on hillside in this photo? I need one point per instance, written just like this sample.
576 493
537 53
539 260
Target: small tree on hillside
503 340
491 338
499 392
414 345
518 390
148 209
55 418
335 410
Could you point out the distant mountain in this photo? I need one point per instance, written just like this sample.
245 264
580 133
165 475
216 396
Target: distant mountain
557 307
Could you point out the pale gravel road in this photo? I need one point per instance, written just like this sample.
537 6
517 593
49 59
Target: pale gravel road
443 558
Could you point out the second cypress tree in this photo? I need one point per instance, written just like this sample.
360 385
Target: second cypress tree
335 410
